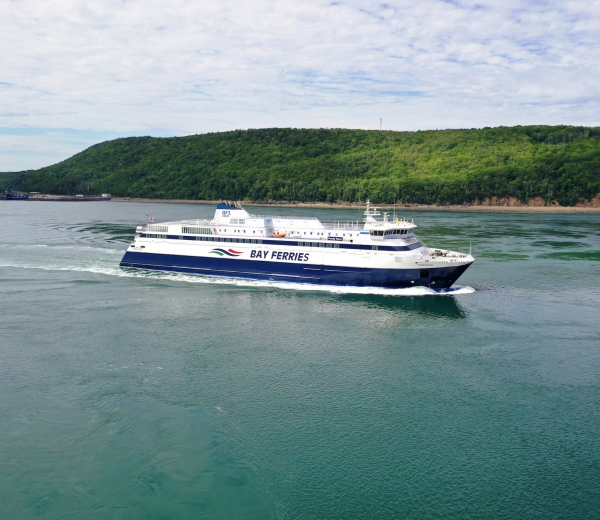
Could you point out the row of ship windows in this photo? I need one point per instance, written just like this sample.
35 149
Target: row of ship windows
209 231
257 241
206 239
196 230
389 232
299 232
318 244
238 240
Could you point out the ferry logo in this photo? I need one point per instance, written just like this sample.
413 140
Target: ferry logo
229 252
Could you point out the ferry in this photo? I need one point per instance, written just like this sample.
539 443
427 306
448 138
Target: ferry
379 252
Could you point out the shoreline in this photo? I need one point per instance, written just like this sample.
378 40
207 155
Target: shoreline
560 210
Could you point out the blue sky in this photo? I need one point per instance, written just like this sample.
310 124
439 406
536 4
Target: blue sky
74 73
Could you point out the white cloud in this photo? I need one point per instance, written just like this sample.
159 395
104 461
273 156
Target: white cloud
144 66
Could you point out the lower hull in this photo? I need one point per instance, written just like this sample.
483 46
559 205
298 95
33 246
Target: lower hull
438 277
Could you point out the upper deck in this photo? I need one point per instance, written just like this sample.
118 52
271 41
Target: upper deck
231 220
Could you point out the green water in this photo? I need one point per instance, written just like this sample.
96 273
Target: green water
144 395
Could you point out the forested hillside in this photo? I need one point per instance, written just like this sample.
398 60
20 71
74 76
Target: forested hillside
560 163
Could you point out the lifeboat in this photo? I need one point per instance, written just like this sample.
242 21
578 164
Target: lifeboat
279 235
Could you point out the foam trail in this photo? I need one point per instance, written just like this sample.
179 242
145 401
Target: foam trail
242 282
103 250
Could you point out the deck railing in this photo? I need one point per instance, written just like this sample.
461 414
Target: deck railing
196 221
345 226
281 217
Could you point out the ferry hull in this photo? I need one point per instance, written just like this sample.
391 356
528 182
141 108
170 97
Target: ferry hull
437 277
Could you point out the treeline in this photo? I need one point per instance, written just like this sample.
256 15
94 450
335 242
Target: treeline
556 163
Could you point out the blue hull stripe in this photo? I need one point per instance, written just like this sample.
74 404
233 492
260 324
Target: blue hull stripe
438 277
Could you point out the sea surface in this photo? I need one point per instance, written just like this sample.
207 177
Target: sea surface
136 395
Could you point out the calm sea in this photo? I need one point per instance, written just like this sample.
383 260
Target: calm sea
141 395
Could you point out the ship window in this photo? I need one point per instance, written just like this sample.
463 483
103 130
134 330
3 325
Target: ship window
424 273
160 229
196 230
375 248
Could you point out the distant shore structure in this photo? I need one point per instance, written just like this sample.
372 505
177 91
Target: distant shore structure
38 196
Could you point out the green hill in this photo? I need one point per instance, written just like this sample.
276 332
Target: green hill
560 163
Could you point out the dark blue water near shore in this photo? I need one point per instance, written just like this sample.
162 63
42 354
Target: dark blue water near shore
145 395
